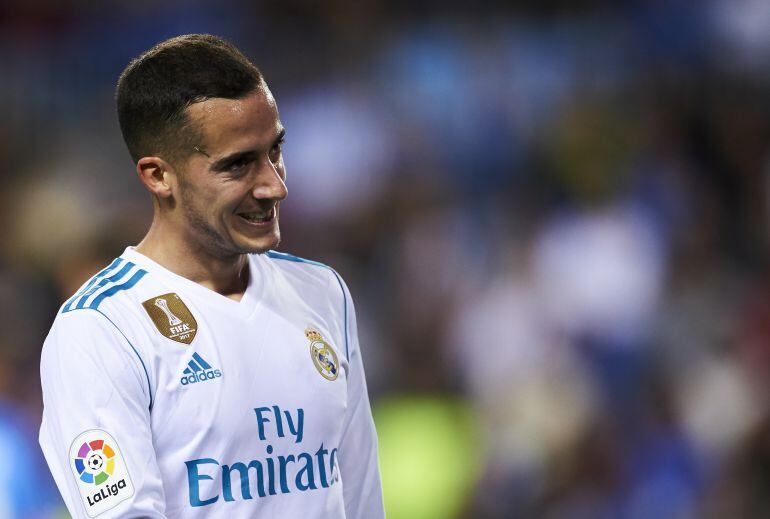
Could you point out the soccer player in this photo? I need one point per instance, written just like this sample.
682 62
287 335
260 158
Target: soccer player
201 374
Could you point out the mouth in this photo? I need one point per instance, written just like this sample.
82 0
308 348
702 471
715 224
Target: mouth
258 218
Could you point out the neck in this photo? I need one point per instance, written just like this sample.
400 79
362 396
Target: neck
226 275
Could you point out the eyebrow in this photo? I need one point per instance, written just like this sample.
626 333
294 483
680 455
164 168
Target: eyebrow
222 163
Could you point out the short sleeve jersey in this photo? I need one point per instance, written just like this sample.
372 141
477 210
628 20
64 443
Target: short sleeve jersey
163 398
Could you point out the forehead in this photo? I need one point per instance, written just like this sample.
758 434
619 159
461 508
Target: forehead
228 124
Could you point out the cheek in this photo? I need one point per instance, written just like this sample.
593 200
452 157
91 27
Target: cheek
201 204
210 196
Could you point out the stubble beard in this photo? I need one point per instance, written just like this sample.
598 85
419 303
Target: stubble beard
211 240
201 232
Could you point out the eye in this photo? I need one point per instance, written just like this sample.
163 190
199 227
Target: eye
238 164
275 151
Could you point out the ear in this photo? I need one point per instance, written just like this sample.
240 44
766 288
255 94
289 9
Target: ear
157 176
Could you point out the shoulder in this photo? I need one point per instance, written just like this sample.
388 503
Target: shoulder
81 334
316 285
115 281
79 330
84 348
315 281
304 271
87 331
286 260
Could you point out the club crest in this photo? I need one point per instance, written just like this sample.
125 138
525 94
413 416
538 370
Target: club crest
171 317
324 357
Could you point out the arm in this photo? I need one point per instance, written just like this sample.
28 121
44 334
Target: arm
362 490
95 387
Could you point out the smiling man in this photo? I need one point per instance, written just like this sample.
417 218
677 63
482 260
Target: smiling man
202 374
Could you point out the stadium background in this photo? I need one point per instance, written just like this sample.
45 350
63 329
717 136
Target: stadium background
553 220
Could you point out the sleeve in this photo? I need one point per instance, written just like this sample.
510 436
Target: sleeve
362 490
96 434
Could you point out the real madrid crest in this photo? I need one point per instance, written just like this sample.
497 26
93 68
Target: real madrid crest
172 318
323 355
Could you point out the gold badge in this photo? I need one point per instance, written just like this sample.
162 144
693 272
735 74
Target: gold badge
172 317
323 355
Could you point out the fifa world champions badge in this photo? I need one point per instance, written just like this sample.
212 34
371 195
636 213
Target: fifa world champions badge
324 357
171 317
100 471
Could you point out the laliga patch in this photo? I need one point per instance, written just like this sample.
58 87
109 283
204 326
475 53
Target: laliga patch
100 471
172 318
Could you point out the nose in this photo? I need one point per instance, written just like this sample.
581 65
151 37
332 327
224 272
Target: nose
270 181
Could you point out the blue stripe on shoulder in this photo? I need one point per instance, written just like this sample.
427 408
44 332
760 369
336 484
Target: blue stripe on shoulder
297 259
105 281
112 266
139 274
107 290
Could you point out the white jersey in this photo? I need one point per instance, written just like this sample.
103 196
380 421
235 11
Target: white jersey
163 398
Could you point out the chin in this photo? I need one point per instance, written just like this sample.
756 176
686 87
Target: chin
260 246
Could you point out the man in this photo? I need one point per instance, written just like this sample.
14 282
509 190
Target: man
201 373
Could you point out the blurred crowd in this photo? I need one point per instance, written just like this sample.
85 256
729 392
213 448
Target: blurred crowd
553 221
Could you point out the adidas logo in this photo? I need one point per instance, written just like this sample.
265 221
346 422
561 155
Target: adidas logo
198 370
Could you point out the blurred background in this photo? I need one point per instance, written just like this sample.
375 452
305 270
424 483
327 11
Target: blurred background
553 221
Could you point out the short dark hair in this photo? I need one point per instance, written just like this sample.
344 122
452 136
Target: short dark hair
155 89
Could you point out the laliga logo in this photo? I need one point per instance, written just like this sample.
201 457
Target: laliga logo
95 463
100 471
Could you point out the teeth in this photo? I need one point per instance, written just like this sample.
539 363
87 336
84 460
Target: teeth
258 217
